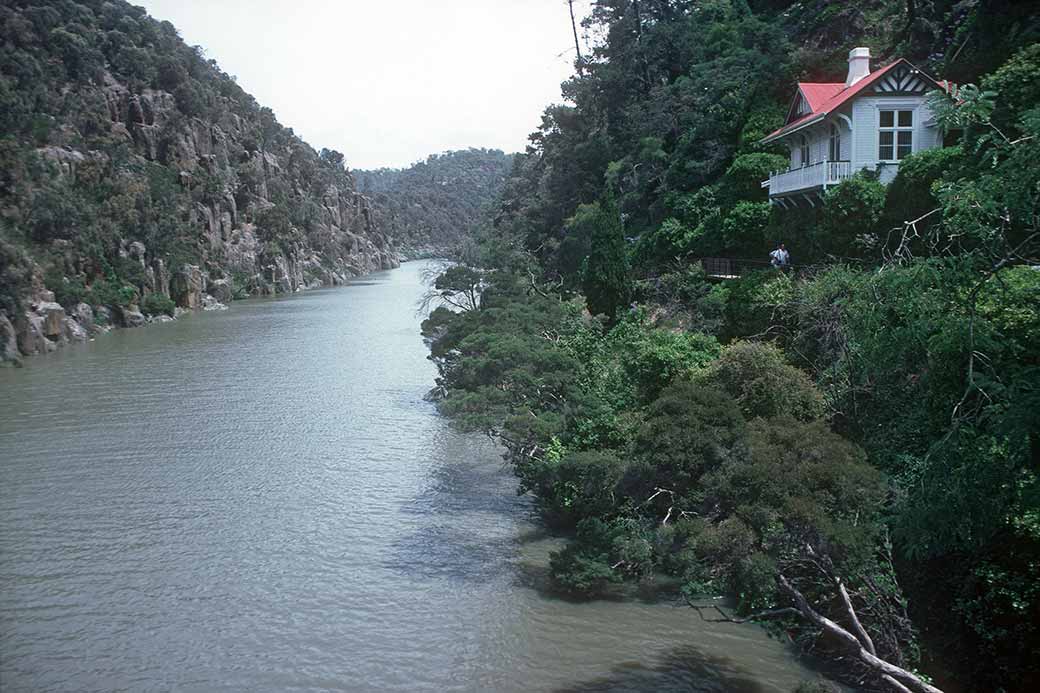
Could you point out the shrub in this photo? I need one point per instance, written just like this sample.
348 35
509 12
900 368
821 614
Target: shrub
690 430
1016 86
763 383
109 293
744 228
67 291
742 181
585 566
753 301
15 276
157 304
851 212
580 484
130 271
652 358
909 196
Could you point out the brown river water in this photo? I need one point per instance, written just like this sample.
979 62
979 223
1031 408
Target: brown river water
261 500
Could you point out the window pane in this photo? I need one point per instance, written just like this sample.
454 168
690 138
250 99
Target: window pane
885 152
905 138
906 119
887 120
886 138
904 152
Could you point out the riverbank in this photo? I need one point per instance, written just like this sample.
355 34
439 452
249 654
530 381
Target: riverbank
46 326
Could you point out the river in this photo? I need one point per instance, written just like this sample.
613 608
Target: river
261 500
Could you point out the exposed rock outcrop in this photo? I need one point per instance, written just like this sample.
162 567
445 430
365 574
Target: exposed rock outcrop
84 315
9 353
221 290
188 286
131 316
53 326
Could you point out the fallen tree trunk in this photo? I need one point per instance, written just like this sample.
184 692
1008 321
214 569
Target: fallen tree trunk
898 677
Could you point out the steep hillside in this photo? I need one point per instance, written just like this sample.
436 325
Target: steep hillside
431 206
860 433
135 175
668 110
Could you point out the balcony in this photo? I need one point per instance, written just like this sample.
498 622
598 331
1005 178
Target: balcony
815 176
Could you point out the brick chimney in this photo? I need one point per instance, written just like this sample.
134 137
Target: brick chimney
859 65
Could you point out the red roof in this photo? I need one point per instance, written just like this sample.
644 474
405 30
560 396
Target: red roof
818 93
826 97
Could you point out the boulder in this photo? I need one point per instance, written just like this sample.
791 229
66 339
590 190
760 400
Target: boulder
132 316
31 339
103 316
137 251
53 319
221 290
73 331
9 354
210 303
84 316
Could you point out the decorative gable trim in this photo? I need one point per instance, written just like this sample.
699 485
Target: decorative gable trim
905 79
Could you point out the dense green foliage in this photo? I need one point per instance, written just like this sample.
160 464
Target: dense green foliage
435 204
874 419
157 304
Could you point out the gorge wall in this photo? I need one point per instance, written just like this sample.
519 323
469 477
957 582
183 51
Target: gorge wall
138 179
433 206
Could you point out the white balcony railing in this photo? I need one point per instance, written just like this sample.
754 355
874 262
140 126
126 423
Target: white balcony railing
815 175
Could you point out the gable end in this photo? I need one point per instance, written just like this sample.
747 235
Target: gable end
799 107
903 80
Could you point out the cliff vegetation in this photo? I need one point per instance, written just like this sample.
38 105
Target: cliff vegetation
135 175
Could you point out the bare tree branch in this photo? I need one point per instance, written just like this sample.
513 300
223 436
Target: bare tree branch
906 679
726 618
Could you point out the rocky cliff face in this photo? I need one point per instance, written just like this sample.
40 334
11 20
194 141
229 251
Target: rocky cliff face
136 174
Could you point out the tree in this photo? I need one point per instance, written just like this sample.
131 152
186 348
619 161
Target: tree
605 279
457 286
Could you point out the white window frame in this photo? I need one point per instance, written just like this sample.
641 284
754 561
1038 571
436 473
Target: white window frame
834 143
896 107
804 151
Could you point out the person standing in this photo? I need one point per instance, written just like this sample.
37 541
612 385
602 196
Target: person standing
779 258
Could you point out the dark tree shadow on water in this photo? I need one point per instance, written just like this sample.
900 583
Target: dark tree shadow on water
685 668
537 577
451 553
469 488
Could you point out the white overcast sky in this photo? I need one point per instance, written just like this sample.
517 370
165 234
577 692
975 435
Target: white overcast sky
388 82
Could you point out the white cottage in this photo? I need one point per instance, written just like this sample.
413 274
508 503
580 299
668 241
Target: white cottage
870 121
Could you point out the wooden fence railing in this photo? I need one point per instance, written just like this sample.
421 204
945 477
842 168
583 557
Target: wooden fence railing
731 268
